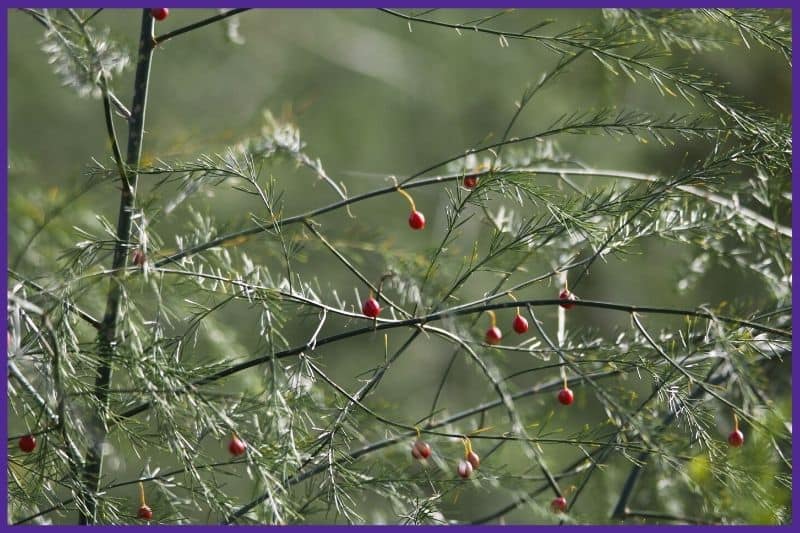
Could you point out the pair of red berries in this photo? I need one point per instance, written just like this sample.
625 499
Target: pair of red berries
159 13
27 443
466 466
494 335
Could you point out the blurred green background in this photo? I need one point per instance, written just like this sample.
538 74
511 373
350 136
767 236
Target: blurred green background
371 99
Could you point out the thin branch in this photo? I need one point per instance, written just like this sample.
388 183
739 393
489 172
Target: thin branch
540 388
38 17
621 507
161 39
103 81
729 203
93 15
459 311
70 306
665 516
352 268
14 372
407 183
689 376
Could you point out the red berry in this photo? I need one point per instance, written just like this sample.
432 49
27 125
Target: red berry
421 450
159 13
559 504
145 513
565 396
424 449
568 296
470 182
464 469
27 443
474 459
236 446
520 324
371 307
493 335
416 220
736 438
138 257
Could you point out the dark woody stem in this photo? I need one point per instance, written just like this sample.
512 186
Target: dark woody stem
107 333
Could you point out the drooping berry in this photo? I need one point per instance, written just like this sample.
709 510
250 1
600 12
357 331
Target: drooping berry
520 324
736 438
145 513
493 335
416 220
464 469
470 182
138 257
371 307
159 13
559 504
567 297
565 396
474 459
236 446
27 443
421 450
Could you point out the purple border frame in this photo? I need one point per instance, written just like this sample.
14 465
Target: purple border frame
395 4
4 232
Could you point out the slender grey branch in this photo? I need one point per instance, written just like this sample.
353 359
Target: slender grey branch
70 306
199 24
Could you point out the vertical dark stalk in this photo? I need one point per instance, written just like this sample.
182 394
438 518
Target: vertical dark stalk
108 330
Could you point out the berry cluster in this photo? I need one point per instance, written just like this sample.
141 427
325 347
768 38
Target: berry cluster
520 324
470 462
421 450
